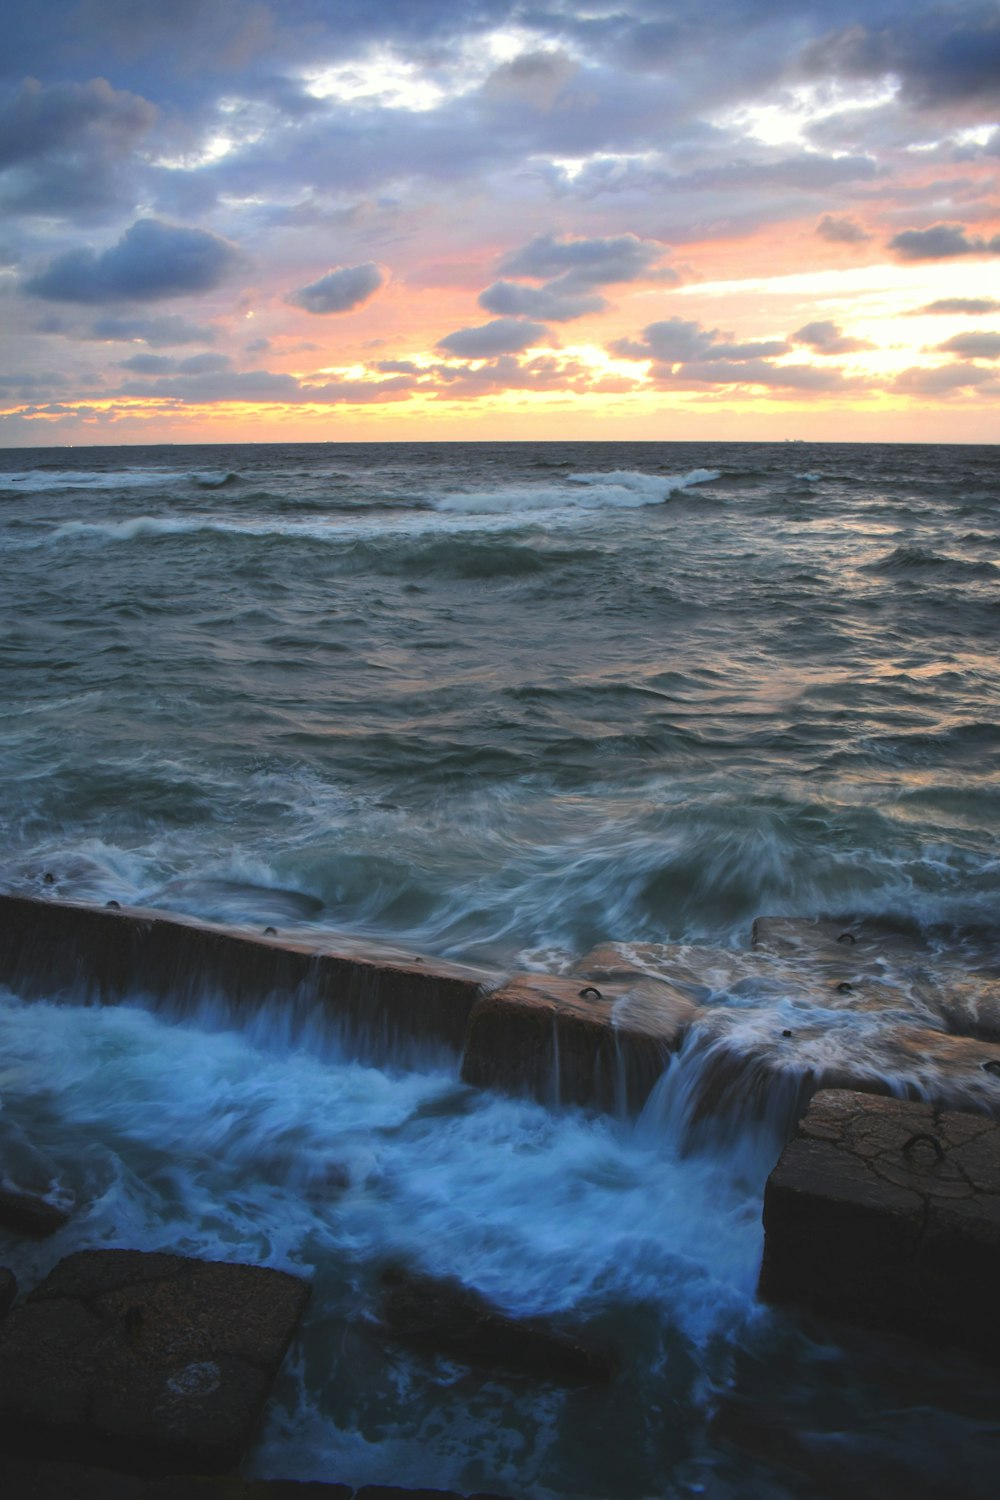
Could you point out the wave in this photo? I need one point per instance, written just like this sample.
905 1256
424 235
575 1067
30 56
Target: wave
625 489
38 481
926 562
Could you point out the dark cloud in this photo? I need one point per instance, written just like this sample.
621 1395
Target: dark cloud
839 229
681 340
973 345
580 264
63 146
208 388
825 337
970 305
161 364
515 299
945 55
502 336
340 290
151 260
161 332
39 120
534 80
941 242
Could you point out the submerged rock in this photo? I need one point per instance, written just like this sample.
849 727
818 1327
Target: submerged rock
27 1213
144 1361
887 1212
445 1315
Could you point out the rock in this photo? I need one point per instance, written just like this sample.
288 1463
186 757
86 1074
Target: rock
147 1362
26 1213
570 1041
8 1289
443 1314
886 1212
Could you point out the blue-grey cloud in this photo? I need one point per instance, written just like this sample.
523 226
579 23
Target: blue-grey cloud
973 345
840 229
253 386
825 337
340 290
681 340
972 306
152 260
583 263
158 332
502 336
951 54
518 300
64 146
163 364
941 242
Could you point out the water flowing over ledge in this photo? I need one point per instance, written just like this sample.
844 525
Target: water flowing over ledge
251 1073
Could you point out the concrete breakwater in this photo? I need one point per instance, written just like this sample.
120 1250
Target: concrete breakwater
696 1040
810 1005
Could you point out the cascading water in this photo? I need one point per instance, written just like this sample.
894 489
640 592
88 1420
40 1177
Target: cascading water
254 1135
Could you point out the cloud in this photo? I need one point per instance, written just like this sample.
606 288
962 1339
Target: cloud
940 56
340 290
152 260
754 372
941 242
502 336
973 345
970 305
943 380
580 264
162 364
680 340
838 229
516 299
826 338
534 80
157 332
253 386
63 145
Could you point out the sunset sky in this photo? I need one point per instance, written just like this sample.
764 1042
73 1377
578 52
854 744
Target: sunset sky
427 219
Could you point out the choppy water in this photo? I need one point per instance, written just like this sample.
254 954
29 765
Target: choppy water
503 702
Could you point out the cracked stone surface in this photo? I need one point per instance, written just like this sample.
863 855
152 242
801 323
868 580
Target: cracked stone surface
887 1212
144 1361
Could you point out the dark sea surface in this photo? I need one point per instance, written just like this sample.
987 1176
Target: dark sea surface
501 702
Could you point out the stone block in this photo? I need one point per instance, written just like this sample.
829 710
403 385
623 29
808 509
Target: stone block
146 1362
886 1212
567 1041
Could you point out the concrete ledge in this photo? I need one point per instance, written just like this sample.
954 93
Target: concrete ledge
566 1041
887 1212
383 997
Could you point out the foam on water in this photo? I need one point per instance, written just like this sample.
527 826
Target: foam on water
268 1148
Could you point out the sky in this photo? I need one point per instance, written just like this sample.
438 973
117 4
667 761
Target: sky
330 220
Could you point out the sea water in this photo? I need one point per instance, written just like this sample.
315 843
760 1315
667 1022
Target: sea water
501 703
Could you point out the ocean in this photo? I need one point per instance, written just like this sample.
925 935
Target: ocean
500 703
